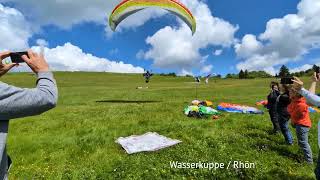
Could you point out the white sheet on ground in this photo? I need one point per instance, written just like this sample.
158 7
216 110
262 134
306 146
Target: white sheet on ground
146 142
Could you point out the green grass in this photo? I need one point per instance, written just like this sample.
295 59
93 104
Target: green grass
76 140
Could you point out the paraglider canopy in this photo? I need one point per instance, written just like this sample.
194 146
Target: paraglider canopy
129 7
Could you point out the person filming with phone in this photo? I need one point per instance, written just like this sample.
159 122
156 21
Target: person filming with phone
312 99
18 102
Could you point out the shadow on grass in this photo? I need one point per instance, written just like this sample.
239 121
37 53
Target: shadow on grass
127 102
267 143
259 135
284 151
280 174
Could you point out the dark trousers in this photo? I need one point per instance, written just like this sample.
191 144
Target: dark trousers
274 119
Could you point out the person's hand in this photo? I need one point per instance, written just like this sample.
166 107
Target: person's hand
297 83
36 62
4 68
276 88
315 77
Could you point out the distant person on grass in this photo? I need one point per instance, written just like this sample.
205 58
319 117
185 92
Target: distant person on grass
272 100
20 102
147 76
299 113
283 115
313 99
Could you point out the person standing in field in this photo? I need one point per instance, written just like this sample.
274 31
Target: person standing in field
313 99
272 100
18 102
299 113
147 76
207 79
283 115
198 79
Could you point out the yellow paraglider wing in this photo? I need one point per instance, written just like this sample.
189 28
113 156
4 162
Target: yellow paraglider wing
129 7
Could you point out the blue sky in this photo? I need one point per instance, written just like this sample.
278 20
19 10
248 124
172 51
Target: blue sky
90 34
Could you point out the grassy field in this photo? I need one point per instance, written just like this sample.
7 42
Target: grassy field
76 140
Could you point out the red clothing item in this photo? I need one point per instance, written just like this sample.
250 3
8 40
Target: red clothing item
299 112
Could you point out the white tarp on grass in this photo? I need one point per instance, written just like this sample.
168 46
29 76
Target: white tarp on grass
146 142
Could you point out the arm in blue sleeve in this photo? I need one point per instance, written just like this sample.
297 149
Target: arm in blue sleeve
311 98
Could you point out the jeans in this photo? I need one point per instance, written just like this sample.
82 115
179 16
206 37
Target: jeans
317 170
302 136
284 127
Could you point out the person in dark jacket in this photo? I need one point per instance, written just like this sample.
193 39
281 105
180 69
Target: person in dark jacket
147 76
283 115
272 100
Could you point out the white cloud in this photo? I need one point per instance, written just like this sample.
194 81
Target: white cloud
206 69
218 52
285 39
175 47
309 8
306 66
71 58
15 30
66 13
248 46
140 54
42 42
301 68
185 73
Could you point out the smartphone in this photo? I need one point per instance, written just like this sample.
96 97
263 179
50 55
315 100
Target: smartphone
16 57
287 80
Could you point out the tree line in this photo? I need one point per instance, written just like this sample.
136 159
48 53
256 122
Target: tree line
283 72
245 74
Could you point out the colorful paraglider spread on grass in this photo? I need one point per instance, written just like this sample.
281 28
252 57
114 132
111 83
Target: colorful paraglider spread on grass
262 103
201 109
129 7
236 108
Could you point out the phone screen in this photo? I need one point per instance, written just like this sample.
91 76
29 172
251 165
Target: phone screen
287 80
16 57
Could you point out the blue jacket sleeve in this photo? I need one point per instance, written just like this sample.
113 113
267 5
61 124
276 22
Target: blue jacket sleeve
311 98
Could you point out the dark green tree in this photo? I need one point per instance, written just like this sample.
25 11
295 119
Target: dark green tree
284 71
229 76
246 74
241 74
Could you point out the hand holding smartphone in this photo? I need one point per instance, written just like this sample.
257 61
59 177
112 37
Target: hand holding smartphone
287 80
16 57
